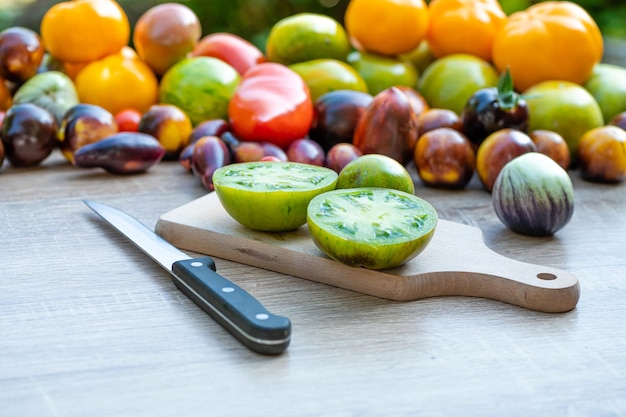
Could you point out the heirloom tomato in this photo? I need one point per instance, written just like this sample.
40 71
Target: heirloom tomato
386 27
84 30
607 84
230 48
563 107
376 170
381 72
533 195
601 154
376 228
336 116
450 81
201 86
21 54
271 196
164 35
272 103
553 40
107 82
306 36
444 158
494 108
325 75
128 120
6 98
464 26
388 126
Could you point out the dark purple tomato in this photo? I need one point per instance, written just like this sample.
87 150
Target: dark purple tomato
619 120
209 154
306 151
1 154
29 134
214 127
246 151
185 156
494 108
121 153
340 155
336 116
270 149
21 53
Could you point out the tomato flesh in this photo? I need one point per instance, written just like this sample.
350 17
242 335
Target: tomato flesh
376 228
271 196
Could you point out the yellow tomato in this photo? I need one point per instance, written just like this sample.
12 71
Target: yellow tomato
386 27
117 82
464 26
554 40
84 30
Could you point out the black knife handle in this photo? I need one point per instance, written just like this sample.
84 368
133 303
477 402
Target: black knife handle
232 307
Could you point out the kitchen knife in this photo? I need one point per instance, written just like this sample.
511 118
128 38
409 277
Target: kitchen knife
231 306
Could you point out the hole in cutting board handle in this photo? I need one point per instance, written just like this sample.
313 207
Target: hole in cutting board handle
546 276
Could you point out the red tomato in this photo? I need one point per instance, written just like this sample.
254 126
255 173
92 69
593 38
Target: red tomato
232 49
271 104
128 120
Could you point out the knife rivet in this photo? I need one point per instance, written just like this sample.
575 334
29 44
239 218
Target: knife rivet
196 264
228 289
262 316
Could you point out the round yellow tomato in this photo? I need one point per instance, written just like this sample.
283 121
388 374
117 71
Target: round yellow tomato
553 40
84 30
464 27
387 27
117 82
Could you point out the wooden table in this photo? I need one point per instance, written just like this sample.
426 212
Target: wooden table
89 326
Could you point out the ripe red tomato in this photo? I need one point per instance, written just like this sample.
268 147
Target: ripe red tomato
128 120
271 104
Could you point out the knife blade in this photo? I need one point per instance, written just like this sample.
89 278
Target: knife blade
228 304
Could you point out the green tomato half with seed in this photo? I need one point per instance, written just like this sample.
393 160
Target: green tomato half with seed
271 196
375 228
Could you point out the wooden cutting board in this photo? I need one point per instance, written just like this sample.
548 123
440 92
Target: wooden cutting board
456 262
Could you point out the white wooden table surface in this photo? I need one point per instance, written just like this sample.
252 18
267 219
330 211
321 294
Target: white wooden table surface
89 326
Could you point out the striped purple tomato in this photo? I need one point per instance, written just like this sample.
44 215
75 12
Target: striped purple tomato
533 195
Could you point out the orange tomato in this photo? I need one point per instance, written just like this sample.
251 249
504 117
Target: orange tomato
5 96
117 82
387 27
555 40
464 26
84 30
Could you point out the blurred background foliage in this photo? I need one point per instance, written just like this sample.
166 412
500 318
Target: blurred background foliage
252 19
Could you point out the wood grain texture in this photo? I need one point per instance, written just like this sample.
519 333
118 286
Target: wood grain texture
455 262
89 326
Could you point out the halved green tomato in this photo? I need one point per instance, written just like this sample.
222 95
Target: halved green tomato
271 196
376 228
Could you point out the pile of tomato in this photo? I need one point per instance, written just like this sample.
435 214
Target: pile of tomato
456 87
